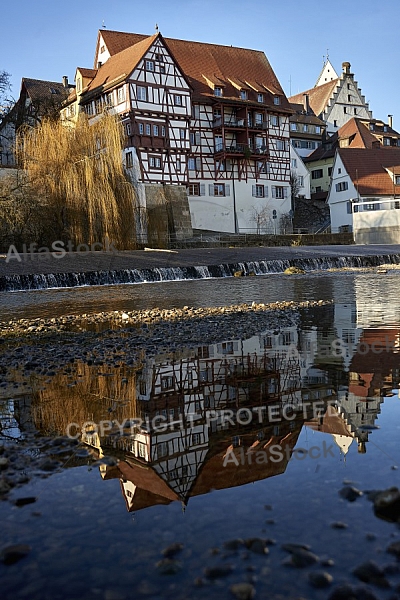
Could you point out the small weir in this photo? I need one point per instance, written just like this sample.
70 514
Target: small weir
15 283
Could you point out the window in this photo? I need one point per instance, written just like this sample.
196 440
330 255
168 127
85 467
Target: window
277 100
259 191
155 163
148 129
294 163
349 98
342 186
89 109
219 189
102 49
386 141
300 180
258 118
162 130
217 91
149 65
293 126
98 106
140 128
162 449
355 110
109 99
335 123
317 174
274 120
141 450
167 382
155 130
344 109
141 93
129 160
279 192
177 100
349 208
317 129
193 188
78 84
196 438
159 58
142 387
128 129
397 179
260 97
243 95
162 69
192 166
330 169
305 127
178 165
219 165
262 167
121 94
182 134
280 144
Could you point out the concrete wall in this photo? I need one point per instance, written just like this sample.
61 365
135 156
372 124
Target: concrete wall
377 227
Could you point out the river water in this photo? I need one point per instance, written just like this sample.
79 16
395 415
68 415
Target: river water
200 465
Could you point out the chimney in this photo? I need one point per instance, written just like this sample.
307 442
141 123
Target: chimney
99 64
306 103
390 121
65 81
346 68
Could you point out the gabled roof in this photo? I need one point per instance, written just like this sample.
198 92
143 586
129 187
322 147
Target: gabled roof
357 134
89 73
39 90
198 61
318 96
367 169
121 64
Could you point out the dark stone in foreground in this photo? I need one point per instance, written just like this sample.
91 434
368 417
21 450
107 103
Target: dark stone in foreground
348 592
217 572
387 504
25 501
12 554
370 572
243 591
350 493
320 579
172 550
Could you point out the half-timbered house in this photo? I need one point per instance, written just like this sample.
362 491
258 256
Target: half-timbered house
211 118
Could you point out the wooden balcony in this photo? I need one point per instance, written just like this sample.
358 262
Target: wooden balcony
242 150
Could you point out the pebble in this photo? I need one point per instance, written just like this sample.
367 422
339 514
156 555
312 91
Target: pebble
168 566
243 591
350 493
387 504
12 554
339 525
172 550
320 579
218 571
370 572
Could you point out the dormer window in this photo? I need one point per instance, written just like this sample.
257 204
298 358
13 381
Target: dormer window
243 95
397 179
277 100
53 91
218 91
102 49
260 97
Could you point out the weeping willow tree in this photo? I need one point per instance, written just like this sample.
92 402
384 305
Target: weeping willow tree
79 174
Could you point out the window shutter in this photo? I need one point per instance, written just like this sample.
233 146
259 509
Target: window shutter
202 189
198 164
211 189
285 192
253 190
265 191
227 189
273 189
197 137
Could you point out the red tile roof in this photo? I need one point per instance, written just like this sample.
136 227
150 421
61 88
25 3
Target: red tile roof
121 64
358 134
318 96
198 61
367 169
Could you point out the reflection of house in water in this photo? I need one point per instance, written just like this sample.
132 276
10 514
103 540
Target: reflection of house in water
234 399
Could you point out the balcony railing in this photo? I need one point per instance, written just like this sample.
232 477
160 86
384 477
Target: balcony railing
240 149
229 123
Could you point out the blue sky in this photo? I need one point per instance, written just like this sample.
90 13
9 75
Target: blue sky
49 39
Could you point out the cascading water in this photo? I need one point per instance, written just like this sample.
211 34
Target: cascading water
125 276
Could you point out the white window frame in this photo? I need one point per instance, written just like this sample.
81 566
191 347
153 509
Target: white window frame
141 93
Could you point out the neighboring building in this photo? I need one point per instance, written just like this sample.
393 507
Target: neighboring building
300 176
365 193
337 100
211 118
306 130
37 99
356 133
